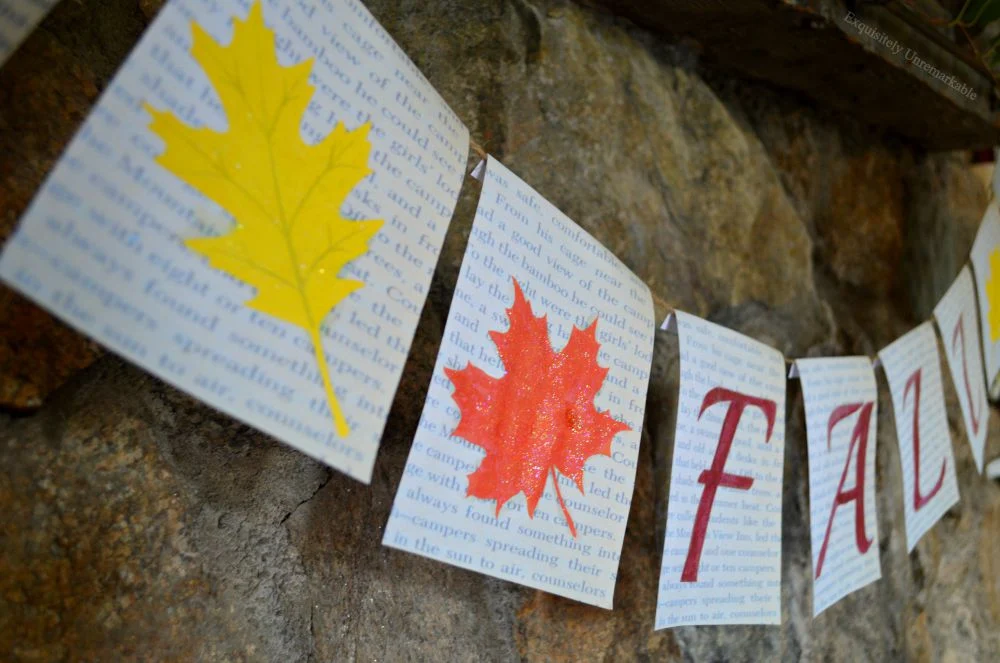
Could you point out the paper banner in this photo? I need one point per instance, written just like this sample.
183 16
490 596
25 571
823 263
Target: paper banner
956 319
985 257
929 486
524 461
841 401
17 19
722 550
193 226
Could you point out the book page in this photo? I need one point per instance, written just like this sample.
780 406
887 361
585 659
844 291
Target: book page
524 462
722 550
930 488
841 403
144 235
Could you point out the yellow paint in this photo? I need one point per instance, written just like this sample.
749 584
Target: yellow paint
993 295
289 241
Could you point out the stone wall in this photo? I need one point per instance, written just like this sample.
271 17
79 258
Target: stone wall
140 524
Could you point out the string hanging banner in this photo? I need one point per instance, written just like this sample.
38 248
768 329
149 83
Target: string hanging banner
722 549
524 461
253 212
841 404
930 486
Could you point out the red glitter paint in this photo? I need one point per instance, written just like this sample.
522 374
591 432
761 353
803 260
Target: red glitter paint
539 417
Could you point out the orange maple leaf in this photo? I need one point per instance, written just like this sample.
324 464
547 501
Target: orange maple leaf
539 417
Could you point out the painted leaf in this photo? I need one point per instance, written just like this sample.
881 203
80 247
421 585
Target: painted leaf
539 417
289 239
993 295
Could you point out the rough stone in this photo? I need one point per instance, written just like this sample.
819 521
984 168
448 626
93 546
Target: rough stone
141 524
820 50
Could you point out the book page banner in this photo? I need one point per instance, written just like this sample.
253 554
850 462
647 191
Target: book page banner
985 258
722 550
17 19
841 403
930 487
524 462
253 212
956 319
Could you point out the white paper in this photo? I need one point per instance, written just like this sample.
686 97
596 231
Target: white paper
986 245
930 488
738 575
841 402
569 277
101 244
17 19
956 319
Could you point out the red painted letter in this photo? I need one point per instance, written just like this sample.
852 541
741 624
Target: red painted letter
959 335
716 475
857 494
919 500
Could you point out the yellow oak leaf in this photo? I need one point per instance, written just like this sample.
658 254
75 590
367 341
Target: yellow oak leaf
993 295
289 239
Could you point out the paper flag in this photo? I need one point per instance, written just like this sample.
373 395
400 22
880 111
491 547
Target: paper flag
841 401
985 257
956 319
722 550
237 181
17 19
930 488
524 461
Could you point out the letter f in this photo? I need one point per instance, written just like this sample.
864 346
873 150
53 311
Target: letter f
716 475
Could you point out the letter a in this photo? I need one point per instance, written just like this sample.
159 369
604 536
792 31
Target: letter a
857 494
716 475
919 501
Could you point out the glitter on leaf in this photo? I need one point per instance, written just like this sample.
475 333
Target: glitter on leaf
539 417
